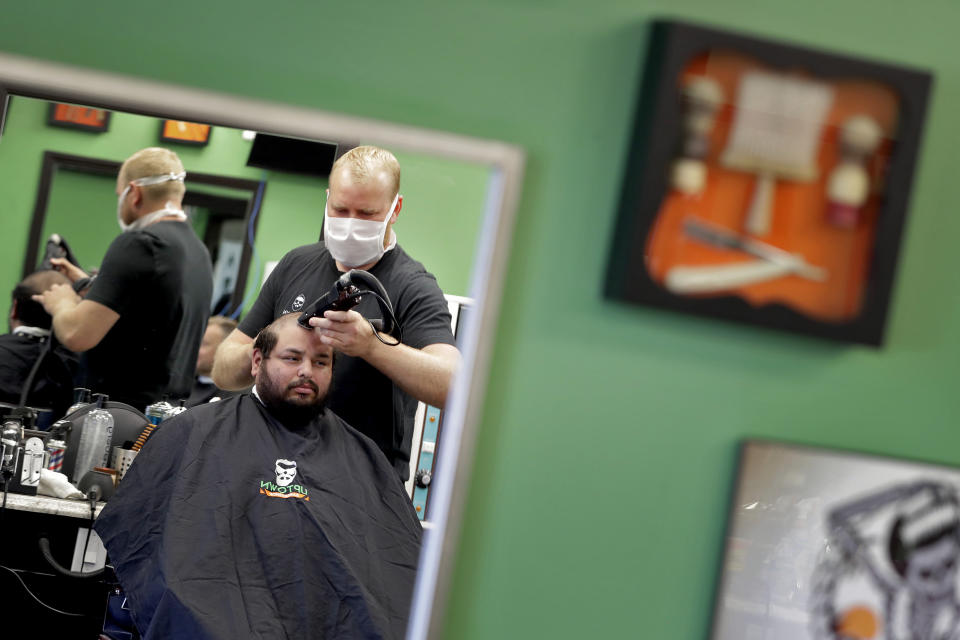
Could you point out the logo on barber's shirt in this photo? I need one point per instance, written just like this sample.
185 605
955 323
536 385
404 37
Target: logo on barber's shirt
286 471
298 302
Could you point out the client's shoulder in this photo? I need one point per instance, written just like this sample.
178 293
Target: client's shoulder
210 415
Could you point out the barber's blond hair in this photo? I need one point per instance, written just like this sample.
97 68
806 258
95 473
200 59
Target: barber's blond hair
154 161
365 162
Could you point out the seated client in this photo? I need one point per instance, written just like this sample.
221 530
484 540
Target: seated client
21 350
265 515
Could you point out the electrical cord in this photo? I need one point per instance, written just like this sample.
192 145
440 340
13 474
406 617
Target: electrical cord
385 306
39 601
144 435
3 507
44 352
376 334
48 555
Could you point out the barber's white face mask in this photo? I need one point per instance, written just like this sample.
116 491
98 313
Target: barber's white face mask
168 209
354 242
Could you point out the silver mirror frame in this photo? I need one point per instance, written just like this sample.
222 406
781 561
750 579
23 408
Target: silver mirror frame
39 79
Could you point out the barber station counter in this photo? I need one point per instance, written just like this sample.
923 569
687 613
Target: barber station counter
52 506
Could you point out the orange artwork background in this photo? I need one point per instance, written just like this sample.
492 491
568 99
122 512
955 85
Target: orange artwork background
79 115
799 220
188 131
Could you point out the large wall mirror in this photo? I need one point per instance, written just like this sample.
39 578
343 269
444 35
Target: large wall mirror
460 197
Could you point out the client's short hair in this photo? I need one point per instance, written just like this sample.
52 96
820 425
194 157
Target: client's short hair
266 340
29 312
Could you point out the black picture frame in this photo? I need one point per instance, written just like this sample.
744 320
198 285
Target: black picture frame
195 134
69 116
653 146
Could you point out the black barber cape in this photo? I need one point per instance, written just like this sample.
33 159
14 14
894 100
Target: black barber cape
211 539
52 387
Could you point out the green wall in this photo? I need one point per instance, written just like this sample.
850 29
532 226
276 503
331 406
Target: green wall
442 198
607 449
78 210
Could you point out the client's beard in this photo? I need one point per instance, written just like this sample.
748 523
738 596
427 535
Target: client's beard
289 413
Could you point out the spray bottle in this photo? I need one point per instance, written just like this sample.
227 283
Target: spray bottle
94 448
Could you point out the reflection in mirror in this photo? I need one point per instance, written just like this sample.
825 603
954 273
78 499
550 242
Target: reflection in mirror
75 197
459 199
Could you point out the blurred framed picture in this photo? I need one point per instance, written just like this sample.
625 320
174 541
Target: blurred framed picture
767 183
75 117
183 132
831 545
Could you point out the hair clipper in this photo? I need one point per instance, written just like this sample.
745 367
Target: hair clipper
342 297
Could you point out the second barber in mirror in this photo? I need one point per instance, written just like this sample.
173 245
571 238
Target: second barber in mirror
140 324
376 386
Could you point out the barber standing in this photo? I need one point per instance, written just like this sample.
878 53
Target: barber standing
139 327
376 386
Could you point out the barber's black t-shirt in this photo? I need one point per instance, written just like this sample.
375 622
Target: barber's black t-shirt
159 279
359 393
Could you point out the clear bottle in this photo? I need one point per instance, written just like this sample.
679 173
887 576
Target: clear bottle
10 440
81 396
94 448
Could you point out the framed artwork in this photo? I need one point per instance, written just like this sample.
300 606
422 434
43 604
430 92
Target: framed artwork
183 132
767 183
831 545
75 117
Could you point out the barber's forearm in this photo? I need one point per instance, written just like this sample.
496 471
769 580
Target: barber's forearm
67 325
423 375
231 366
78 324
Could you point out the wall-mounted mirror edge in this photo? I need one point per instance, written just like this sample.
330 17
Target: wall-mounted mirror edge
22 76
32 78
465 407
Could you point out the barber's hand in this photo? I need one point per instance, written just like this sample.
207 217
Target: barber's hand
345 331
57 296
67 268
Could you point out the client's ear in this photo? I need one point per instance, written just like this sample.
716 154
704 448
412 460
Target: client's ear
255 364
